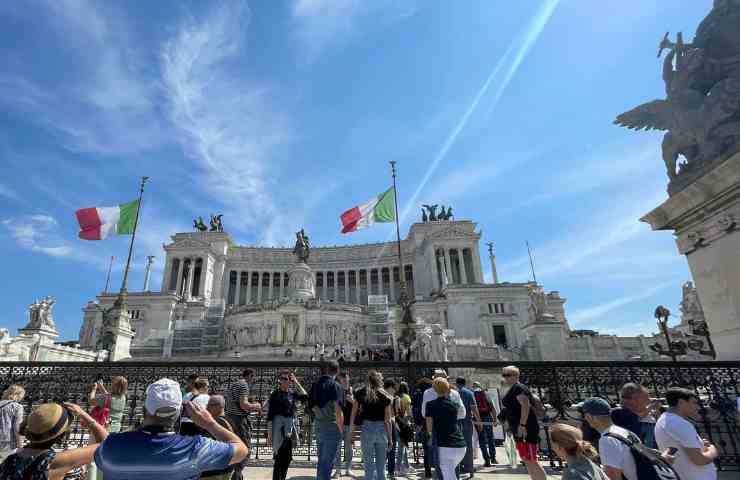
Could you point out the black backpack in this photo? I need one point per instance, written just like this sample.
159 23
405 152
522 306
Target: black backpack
648 462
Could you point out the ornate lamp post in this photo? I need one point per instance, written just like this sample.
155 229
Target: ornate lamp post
674 348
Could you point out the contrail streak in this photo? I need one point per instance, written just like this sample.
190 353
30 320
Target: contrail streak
519 50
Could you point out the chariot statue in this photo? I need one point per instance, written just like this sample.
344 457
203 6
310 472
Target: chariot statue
199 225
216 223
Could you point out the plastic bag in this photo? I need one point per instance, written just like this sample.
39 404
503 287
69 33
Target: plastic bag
512 456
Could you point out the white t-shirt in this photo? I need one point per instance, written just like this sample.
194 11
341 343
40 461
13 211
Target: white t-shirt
201 399
673 430
617 454
430 395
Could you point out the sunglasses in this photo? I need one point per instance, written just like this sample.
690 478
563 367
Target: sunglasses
507 375
284 379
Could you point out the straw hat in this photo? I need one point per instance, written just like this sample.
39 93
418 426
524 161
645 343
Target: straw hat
46 422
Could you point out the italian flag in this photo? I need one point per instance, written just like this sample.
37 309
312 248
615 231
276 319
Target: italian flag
380 209
97 223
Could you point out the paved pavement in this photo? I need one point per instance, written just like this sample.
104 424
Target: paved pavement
306 471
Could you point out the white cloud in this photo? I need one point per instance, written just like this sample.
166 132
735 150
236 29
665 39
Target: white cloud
579 317
321 24
227 125
37 233
8 192
110 95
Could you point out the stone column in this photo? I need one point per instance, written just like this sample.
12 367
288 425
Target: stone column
179 275
270 279
166 276
336 286
282 285
357 287
238 287
392 284
248 288
435 270
448 266
259 287
325 278
191 274
461 265
203 275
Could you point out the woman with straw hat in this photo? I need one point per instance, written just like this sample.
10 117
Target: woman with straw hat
45 427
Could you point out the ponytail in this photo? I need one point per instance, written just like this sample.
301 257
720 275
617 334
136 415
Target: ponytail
374 385
571 440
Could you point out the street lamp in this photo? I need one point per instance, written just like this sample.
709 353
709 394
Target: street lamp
674 348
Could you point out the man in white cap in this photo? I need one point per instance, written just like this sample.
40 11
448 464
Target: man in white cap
155 451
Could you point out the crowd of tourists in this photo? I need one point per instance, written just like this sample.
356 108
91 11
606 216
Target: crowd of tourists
190 432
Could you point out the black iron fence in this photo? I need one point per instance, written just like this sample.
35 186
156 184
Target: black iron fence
559 384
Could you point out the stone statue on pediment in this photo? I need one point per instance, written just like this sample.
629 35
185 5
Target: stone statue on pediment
438 345
40 315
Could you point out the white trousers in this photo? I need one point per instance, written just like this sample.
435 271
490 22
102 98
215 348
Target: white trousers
449 458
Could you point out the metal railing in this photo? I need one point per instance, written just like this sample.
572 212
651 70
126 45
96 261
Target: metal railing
559 384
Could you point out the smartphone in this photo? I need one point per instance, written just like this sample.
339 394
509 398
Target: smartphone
672 450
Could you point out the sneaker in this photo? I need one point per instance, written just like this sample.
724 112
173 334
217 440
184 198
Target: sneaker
487 464
336 474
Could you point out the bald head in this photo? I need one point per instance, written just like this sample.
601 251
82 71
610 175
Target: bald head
216 405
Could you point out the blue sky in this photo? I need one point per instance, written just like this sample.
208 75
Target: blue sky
283 114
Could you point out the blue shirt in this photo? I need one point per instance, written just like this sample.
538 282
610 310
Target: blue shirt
142 455
468 398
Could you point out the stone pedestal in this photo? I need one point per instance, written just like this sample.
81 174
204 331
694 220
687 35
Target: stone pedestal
117 334
705 218
301 283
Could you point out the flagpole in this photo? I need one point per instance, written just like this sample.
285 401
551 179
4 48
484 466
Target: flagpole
107 278
124 284
401 273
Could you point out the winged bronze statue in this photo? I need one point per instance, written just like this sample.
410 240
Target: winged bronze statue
701 111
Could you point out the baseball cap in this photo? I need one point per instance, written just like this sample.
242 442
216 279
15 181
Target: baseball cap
163 398
597 407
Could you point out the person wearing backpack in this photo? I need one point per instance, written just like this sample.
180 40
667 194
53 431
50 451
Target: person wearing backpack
694 456
520 413
616 457
488 415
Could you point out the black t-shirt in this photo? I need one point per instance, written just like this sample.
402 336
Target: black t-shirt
443 413
283 403
513 413
372 411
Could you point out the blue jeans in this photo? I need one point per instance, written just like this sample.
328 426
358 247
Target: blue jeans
374 449
347 452
327 440
487 440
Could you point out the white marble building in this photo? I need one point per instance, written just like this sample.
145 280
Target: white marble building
220 300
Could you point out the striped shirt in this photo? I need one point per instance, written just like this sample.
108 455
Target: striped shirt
234 393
